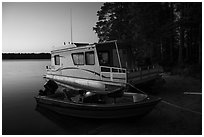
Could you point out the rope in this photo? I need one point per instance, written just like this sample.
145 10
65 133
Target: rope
186 109
136 88
176 106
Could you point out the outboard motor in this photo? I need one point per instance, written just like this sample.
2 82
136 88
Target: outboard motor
50 88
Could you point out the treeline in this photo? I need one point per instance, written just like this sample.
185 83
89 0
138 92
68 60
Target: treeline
169 32
26 56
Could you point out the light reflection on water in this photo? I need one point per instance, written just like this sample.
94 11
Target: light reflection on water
21 81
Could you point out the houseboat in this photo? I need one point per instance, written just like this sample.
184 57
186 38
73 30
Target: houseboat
96 81
99 67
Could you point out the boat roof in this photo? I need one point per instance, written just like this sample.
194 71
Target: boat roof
81 44
74 46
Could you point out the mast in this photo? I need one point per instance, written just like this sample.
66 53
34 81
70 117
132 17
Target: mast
71 24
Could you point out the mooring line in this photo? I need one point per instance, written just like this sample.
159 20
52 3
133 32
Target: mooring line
136 88
193 93
186 109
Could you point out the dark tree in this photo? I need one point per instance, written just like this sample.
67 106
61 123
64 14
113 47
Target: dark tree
26 56
170 32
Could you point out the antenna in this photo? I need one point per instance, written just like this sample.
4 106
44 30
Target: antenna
71 24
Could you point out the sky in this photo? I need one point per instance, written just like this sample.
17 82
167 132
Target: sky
38 27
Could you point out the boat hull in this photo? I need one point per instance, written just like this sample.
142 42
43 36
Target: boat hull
76 83
98 110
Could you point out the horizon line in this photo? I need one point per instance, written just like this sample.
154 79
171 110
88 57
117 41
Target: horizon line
23 52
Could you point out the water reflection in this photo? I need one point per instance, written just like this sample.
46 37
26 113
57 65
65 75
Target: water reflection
84 126
22 79
71 125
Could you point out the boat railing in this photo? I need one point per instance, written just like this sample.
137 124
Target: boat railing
112 69
113 74
143 73
142 68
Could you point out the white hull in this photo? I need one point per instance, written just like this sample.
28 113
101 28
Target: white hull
82 84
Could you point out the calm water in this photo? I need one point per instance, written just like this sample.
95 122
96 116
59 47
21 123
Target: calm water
22 80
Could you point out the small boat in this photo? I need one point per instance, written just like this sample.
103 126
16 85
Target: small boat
124 106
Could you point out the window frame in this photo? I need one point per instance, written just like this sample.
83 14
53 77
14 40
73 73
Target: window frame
101 52
77 53
92 51
55 59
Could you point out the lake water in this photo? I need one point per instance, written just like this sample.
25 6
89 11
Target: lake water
21 81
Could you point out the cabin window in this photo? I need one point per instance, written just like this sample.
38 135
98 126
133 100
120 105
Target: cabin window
103 57
78 58
57 59
90 58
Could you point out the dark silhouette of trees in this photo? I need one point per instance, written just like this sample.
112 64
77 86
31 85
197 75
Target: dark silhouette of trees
172 32
26 56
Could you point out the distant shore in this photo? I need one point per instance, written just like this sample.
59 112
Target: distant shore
6 56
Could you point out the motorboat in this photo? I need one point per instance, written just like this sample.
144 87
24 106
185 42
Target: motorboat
103 107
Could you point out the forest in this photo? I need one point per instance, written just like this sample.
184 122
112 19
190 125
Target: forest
26 56
170 33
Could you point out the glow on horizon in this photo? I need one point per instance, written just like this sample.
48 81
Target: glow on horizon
38 26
